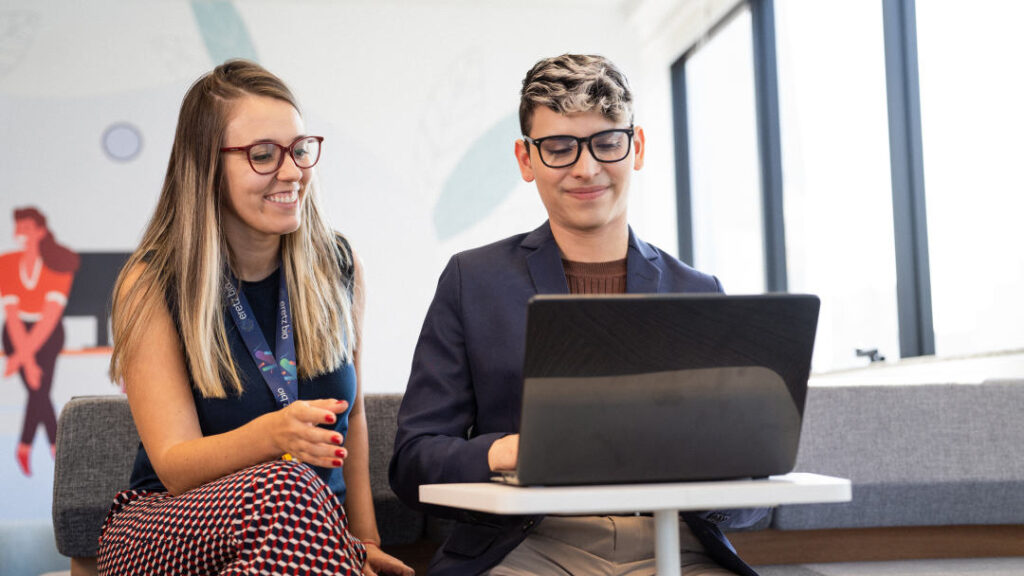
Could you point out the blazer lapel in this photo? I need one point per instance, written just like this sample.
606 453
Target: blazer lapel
643 275
545 262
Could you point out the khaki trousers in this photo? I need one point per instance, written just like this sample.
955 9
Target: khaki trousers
611 545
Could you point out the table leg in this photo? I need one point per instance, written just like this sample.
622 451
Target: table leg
666 542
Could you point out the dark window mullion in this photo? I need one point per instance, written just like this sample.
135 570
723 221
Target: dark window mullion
913 282
681 130
769 144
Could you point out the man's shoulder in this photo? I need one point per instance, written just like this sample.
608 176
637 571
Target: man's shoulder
509 244
682 276
492 255
670 262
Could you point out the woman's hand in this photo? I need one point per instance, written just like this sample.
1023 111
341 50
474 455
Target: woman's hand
295 430
379 563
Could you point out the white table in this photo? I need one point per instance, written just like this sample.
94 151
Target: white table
664 500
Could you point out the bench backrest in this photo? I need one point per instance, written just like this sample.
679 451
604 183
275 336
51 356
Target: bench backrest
918 455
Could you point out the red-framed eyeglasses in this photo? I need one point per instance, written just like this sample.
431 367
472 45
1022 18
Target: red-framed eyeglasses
267 157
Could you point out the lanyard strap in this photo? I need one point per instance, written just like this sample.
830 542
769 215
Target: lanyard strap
278 372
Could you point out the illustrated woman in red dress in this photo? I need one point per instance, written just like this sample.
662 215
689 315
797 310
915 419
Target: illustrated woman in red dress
34 287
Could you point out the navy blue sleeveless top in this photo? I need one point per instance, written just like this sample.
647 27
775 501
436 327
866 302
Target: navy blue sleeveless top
218 415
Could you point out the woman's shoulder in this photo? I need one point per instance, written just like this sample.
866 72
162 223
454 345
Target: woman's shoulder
140 268
131 275
141 277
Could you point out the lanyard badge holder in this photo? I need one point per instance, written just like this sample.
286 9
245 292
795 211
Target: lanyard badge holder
280 371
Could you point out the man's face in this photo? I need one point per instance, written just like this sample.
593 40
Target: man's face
589 196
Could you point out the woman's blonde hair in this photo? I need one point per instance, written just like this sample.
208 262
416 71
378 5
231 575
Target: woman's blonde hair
182 258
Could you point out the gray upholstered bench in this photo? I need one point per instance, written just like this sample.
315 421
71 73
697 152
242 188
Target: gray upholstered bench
937 472
96 445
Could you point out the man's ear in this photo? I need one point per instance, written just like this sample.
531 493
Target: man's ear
524 160
639 146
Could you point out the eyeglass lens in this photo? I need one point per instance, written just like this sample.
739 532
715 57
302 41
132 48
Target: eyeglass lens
609 146
266 157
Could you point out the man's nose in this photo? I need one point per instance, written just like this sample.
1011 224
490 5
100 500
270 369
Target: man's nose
586 165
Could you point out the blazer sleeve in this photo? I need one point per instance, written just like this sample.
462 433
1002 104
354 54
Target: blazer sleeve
434 443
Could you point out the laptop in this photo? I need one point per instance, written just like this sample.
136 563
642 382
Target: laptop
663 387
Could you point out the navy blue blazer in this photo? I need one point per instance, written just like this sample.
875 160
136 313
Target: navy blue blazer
465 388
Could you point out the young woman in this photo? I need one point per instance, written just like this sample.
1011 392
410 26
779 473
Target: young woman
236 334
34 287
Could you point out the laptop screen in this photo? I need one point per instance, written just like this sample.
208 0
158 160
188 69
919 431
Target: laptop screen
648 388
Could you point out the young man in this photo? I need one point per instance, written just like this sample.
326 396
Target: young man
460 415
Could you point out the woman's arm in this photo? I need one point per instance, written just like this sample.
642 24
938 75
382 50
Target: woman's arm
157 386
358 496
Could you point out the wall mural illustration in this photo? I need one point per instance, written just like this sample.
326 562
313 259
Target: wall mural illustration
41 283
463 201
34 286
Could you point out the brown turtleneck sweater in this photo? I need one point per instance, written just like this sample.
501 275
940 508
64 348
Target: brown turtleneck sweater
595 277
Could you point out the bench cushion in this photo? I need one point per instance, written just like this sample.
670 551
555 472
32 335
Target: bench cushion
916 455
398 524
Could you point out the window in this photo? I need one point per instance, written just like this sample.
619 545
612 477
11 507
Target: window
725 190
836 178
972 126
837 184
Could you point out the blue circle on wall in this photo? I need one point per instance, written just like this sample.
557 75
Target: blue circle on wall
122 142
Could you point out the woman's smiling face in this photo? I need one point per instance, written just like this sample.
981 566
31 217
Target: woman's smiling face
256 205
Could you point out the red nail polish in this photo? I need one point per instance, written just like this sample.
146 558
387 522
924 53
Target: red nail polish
339 453
337 462
329 418
336 439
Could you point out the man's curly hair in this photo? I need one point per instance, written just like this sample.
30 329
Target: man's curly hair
575 83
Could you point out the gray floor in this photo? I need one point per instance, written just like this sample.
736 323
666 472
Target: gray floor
972 567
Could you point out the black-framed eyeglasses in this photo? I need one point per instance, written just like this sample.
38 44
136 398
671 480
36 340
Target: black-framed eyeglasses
267 157
563 151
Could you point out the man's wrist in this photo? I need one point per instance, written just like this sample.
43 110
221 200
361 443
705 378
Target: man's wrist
500 456
490 455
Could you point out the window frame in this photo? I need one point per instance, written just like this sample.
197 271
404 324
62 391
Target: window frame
913 284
